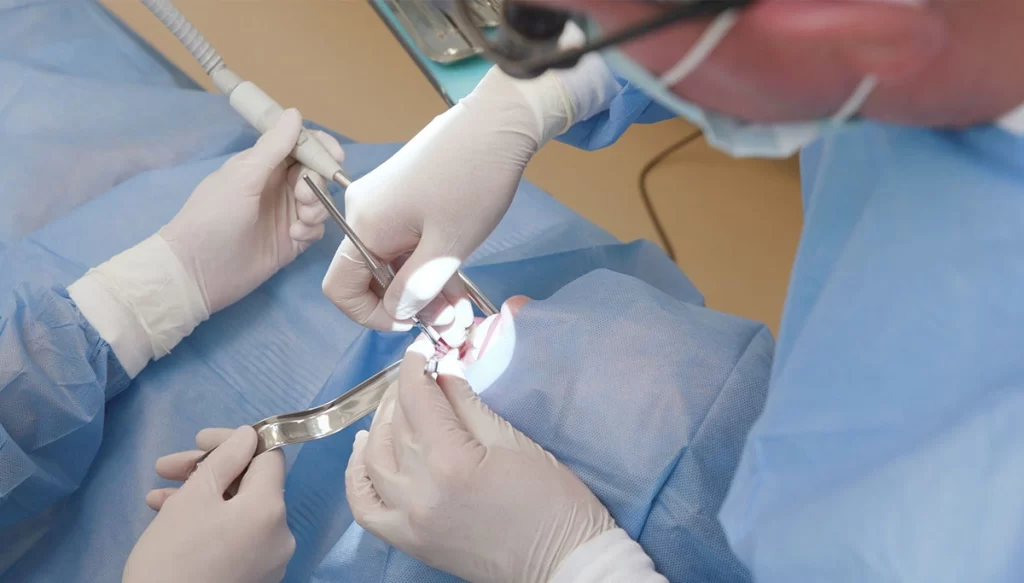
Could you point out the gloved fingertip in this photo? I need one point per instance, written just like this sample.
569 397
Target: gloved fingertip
446 317
303 233
290 116
155 499
211 437
406 310
241 442
401 326
276 144
332 145
464 315
310 213
438 312
422 346
451 367
417 283
361 436
455 336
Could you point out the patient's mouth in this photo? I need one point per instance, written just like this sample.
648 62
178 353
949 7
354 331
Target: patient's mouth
481 335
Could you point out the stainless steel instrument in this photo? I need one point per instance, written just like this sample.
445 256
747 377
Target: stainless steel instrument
322 421
432 32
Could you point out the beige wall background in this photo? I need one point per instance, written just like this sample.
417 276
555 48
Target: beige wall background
734 224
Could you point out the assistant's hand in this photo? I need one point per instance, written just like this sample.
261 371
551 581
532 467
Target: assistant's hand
250 218
201 538
244 222
444 479
438 198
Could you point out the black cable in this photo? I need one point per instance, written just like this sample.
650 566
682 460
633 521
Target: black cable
645 197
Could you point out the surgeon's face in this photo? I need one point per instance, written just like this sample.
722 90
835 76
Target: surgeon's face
789 60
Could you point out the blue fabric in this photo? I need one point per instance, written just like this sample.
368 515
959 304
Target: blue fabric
50 360
630 106
890 445
656 431
133 137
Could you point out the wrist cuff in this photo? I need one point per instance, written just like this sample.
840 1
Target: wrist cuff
142 302
610 556
589 87
545 97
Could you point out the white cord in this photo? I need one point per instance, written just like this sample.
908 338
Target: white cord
191 38
258 108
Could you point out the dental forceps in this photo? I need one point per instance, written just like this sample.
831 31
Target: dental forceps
325 420
338 414
381 272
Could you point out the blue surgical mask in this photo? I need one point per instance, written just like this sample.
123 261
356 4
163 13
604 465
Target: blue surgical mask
733 136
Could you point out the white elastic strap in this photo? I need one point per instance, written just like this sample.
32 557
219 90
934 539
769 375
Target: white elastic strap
717 32
114 321
702 49
142 302
856 100
1013 122
610 557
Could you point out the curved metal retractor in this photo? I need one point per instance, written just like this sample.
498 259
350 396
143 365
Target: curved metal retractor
353 405
325 420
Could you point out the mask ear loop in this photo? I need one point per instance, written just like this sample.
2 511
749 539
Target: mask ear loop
714 35
701 50
856 101
1013 122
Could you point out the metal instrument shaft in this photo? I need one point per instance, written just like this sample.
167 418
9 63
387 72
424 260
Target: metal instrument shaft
381 271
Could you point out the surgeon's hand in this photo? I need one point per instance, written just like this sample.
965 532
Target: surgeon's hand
449 482
250 218
438 198
201 538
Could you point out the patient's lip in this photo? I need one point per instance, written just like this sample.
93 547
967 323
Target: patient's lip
481 336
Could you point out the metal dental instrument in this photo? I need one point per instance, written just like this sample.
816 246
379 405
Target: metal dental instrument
293 428
325 420
433 33
262 112
381 271
475 294
336 415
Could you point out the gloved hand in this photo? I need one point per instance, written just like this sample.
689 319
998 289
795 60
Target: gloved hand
439 197
449 482
250 218
201 538
241 224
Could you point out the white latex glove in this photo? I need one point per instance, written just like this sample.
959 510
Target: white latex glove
439 197
240 225
201 538
447 481
250 218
